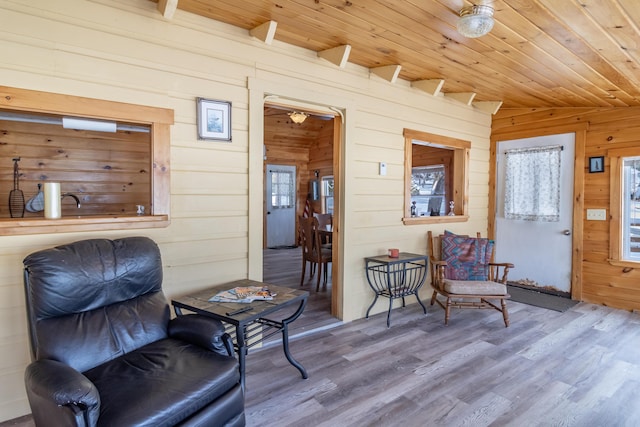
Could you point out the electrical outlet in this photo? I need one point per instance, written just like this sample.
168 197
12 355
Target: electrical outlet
597 214
383 168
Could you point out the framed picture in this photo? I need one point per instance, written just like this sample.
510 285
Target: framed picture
596 164
214 119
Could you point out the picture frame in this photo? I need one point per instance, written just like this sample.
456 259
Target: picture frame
596 164
214 119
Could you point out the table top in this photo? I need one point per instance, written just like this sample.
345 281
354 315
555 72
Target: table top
402 257
198 302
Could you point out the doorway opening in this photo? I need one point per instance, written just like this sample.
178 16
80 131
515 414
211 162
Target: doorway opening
299 180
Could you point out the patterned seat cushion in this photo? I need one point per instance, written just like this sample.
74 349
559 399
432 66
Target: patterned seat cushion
474 287
467 257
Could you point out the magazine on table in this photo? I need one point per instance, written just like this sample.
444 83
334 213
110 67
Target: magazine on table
243 294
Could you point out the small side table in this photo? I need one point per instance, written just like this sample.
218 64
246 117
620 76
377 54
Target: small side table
253 326
396 278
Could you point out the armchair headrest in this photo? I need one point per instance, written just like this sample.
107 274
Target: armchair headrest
89 274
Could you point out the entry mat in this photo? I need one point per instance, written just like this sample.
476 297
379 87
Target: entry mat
540 299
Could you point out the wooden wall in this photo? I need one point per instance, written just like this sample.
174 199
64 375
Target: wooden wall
109 172
607 128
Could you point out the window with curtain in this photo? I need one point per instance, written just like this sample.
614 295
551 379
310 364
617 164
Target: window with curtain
532 183
282 189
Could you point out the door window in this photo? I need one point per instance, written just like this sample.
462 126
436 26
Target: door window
282 189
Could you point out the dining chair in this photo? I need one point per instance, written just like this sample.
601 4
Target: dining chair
325 224
313 251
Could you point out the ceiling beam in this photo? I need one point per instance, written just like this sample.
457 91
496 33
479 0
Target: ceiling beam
464 97
431 86
490 107
338 55
265 31
167 8
388 72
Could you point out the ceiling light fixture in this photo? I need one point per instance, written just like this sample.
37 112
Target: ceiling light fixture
475 21
298 116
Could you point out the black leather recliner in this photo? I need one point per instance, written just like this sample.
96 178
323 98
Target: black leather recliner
106 352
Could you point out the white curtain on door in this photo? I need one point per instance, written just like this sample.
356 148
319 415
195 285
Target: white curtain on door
532 183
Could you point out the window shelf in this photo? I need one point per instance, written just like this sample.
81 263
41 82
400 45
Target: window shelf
434 219
14 226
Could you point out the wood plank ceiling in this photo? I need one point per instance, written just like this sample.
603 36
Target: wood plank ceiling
540 53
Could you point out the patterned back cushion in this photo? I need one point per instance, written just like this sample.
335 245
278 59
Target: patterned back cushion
467 257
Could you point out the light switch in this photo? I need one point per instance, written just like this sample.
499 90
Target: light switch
596 214
383 168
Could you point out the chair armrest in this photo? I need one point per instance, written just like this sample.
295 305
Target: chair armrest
51 384
498 271
203 331
502 264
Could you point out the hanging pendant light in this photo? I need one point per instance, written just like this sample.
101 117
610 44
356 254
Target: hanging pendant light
475 21
298 116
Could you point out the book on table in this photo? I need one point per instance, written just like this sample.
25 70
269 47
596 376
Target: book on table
244 294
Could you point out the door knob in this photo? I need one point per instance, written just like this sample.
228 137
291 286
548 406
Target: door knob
566 232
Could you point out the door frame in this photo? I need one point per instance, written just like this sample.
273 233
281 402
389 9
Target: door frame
580 131
261 92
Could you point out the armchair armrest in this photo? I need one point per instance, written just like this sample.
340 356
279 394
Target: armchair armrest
498 271
201 330
52 384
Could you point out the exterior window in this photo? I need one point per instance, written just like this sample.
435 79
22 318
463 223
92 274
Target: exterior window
428 185
624 218
631 209
436 178
327 194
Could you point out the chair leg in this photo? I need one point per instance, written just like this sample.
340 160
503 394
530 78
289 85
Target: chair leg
447 311
505 313
319 275
304 267
433 297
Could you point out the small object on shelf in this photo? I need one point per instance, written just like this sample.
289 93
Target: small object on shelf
52 200
16 196
394 253
451 212
140 209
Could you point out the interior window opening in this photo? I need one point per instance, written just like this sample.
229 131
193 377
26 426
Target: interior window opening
436 178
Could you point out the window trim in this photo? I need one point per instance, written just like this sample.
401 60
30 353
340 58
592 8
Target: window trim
159 120
460 176
615 205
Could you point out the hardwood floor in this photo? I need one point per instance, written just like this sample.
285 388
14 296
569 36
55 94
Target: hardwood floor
576 368
283 267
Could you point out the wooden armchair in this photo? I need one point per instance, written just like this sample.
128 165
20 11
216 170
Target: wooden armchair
463 272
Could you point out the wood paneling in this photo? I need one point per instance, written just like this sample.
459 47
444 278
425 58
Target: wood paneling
109 172
540 53
614 128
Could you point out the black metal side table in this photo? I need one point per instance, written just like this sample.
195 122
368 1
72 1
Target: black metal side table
251 325
396 278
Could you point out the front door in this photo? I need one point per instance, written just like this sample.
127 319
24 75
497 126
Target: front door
540 250
281 205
